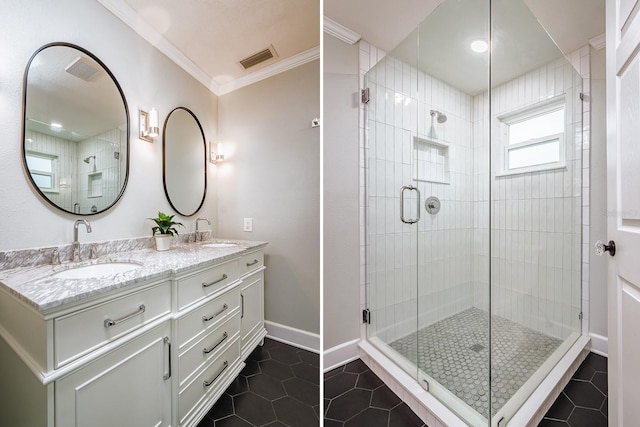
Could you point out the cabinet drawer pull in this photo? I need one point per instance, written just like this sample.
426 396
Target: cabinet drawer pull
206 285
254 262
109 322
167 374
241 306
209 350
207 318
206 383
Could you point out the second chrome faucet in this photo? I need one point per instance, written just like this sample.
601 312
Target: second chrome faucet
198 233
76 242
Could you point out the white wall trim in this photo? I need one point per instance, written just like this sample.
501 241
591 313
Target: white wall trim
271 70
598 42
128 15
296 337
339 31
600 344
340 354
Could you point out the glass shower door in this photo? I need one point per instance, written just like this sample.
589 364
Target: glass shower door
393 207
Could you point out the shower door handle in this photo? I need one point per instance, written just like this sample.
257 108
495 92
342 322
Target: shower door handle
402 218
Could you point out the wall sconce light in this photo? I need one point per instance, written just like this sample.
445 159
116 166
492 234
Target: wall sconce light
216 152
149 125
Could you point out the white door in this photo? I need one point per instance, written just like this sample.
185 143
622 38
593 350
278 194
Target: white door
623 187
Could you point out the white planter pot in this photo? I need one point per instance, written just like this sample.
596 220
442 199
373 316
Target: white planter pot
163 242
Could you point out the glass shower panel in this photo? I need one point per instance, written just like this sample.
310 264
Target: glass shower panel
535 204
452 337
392 203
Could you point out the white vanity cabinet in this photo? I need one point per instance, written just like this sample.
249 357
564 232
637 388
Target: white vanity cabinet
252 330
130 386
159 352
207 337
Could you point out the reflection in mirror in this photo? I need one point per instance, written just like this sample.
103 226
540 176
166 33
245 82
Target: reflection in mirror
75 130
184 161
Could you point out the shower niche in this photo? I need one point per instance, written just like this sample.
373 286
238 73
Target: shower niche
480 302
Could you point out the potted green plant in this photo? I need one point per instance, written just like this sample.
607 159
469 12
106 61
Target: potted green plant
164 230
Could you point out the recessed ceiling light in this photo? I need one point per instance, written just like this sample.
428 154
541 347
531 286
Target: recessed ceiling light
479 46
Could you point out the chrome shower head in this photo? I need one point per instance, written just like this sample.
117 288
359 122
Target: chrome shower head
441 116
88 159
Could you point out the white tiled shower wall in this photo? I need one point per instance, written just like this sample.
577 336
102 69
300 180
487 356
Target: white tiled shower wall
73 174
536 257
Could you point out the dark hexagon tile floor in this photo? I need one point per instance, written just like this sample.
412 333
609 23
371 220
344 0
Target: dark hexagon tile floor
355 397
279 386
583 402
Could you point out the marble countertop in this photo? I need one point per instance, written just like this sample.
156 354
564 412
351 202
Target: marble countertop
36 286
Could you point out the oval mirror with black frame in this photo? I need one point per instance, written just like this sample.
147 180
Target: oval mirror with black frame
184 161
75 134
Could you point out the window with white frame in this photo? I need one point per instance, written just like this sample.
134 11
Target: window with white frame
534 139
41 166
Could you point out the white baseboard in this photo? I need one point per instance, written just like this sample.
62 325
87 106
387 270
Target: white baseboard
340 354
295 337
600 345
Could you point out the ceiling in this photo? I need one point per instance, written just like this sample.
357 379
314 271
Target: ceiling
520 42
208 38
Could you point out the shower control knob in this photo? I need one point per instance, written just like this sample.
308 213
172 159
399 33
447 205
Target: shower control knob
601 248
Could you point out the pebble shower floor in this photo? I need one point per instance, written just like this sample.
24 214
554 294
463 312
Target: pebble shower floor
454 351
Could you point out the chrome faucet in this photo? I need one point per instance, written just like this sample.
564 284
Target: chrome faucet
197 231
76 243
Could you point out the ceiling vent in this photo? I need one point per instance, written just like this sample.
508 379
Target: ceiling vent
83 69
258 58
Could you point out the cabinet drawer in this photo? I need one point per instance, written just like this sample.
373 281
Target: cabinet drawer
251 262
202 351
79 333
200 285
209 381
207 316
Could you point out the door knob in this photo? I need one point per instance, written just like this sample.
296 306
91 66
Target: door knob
601 248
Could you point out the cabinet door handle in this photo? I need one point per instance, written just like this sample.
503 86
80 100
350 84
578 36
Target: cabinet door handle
207 318
209 350
109 322
167 373
254 262
223 277
241 306
206 383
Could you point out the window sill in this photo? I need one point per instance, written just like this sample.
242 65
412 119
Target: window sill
530 169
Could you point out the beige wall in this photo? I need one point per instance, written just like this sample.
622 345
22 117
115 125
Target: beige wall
341 225
271 173
148 79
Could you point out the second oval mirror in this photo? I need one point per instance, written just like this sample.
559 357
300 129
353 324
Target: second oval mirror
184 161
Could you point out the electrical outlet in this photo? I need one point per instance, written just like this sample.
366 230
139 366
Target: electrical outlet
248 224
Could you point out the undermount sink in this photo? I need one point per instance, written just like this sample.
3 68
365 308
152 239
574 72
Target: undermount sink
220 245
96 270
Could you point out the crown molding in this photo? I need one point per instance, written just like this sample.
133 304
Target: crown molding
339 31
598 42
271 70
128 15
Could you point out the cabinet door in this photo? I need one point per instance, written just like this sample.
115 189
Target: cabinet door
252 309
126 387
